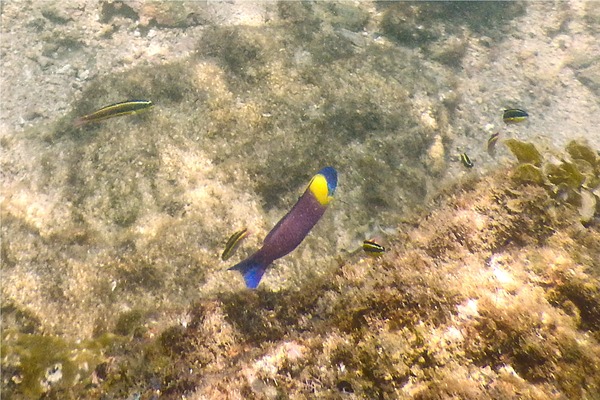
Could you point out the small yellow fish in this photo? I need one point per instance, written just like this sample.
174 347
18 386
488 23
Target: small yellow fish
372 248
514 116
491 143
464 158
115 110
233 242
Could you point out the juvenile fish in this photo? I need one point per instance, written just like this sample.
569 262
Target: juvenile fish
466 161
491 144
372 248
233 243
115 110
514 116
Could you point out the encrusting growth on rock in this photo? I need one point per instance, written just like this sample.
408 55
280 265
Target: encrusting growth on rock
494 294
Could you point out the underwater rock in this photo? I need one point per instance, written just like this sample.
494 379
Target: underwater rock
57 14
592 16
450 51
590 77
497 283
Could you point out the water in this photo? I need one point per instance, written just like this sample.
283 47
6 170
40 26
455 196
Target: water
129 216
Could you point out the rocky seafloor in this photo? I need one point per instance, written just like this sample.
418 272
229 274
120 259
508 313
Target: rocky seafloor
112 285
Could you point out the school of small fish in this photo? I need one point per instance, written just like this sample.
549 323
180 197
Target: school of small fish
509 116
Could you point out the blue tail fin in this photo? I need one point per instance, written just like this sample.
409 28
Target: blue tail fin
251 270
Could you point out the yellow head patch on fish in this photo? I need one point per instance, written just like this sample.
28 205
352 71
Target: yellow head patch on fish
320 189
323 185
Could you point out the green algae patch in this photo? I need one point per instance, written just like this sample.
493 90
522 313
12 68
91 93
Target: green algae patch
130 323
579 151
40 364
565 173
528 173
526 153
575 181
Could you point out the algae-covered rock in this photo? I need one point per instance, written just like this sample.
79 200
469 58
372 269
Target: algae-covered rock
497 284
528 173
40 364
129 323
348 16
421 23
567 194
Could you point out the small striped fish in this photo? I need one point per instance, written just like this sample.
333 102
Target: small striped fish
514 116
372 248
233 242
115 110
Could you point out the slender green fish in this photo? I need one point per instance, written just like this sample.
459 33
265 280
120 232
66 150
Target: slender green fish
372 248
491 144
514 116
233 243
464 158
115 110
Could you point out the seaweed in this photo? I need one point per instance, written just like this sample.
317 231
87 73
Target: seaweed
576 182
526 153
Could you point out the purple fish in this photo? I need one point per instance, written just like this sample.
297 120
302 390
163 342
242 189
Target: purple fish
292 228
